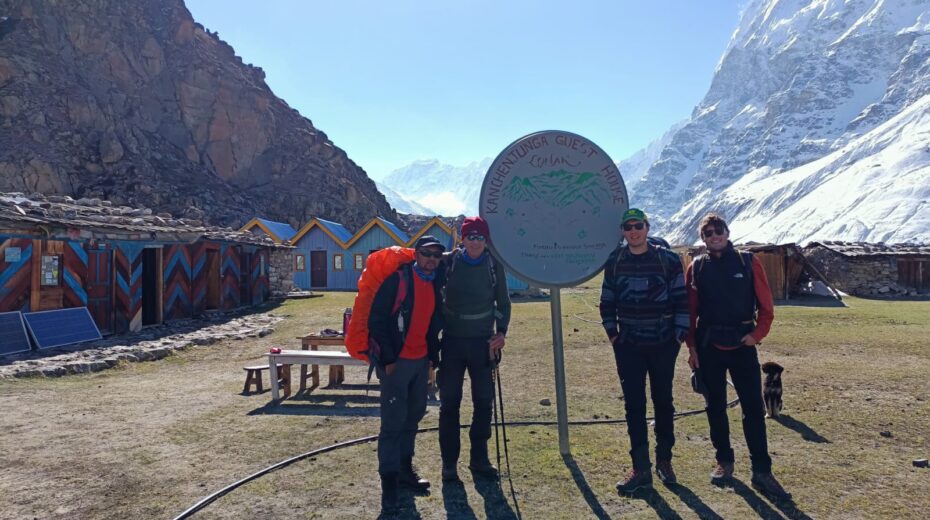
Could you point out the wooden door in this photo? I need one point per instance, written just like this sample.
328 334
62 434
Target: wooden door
213 279
245 278
100 287
318 268
914 274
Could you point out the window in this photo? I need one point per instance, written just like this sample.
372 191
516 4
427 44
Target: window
261 266
359 263
300 263
51 272
337 262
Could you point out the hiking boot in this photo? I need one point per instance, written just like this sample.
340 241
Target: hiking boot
636 479
409 478
722 471
665 472
450 473
389 493
483 468
769 486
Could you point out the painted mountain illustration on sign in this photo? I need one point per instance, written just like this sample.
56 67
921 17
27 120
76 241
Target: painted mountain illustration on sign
558 189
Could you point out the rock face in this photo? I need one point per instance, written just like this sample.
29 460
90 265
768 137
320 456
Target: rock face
133 102
814 127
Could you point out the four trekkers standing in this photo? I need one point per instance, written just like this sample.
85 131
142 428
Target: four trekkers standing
644 310
403 327
476 310
644 305
731 312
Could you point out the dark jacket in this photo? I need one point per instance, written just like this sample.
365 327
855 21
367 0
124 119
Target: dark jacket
383 326
643 297
477 301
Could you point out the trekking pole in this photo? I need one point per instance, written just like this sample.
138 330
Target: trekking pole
500 397
497 442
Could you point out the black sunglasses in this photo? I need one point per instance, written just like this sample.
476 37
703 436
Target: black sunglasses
711 231
479 238
427 254
631 227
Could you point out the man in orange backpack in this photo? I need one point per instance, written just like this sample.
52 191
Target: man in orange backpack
403 328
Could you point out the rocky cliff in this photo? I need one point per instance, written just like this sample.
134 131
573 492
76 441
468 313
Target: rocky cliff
134 102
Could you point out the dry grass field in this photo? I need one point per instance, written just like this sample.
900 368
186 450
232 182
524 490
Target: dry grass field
148 440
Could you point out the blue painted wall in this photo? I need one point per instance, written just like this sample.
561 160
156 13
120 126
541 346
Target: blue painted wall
441 235
375 238
314 240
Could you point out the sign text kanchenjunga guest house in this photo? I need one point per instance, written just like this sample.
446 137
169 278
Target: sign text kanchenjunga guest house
553 201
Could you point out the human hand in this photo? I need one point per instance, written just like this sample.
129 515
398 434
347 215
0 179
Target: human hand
497 341
389 369
693 359
749 341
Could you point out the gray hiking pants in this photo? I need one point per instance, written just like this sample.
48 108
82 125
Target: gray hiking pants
403 404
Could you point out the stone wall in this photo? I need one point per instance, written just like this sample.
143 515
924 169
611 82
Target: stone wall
861 276
280 272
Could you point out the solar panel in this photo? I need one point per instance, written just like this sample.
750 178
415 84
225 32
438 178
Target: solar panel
13 337
61 327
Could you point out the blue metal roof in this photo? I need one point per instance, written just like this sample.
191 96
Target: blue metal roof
396 230
337 229
282 230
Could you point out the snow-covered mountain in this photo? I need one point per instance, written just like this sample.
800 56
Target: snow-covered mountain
402 204
816 126
442 188
634 167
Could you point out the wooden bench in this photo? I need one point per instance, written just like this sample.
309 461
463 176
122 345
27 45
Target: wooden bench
253 377
307 357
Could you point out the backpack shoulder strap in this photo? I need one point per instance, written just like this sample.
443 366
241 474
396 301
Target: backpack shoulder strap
453 260
663 259
402 288
698 267
492 270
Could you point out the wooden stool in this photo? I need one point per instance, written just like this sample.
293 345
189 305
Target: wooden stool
253 376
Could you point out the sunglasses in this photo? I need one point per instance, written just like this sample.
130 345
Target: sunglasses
479 238
711 231
631 227
428 254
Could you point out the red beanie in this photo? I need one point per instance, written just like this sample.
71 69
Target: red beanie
475 226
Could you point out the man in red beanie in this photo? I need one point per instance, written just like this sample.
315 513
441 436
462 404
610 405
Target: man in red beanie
476 309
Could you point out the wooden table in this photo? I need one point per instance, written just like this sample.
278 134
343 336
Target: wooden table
336 372
304 358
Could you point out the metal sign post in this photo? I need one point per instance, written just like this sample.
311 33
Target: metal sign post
553 201
558 357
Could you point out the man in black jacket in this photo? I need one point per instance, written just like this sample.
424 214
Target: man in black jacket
403 327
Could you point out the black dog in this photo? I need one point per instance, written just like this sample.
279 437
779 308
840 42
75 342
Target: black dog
771 388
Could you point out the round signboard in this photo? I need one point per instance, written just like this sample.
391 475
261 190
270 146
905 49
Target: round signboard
553 201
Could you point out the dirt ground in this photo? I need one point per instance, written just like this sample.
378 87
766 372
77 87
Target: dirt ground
149 440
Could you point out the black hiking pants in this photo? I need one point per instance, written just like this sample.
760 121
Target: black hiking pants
458 356
634 362
743 365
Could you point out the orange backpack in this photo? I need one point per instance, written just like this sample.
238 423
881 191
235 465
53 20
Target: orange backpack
380 265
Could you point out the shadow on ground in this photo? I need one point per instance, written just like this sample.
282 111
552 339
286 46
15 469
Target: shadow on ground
323 405
807 433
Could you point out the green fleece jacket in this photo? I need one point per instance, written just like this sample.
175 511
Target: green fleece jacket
472 307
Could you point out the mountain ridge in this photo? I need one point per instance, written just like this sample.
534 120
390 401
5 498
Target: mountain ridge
136 103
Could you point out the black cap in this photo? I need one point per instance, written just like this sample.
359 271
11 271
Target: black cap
428 240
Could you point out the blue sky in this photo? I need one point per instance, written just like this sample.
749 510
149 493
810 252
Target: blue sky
457 81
